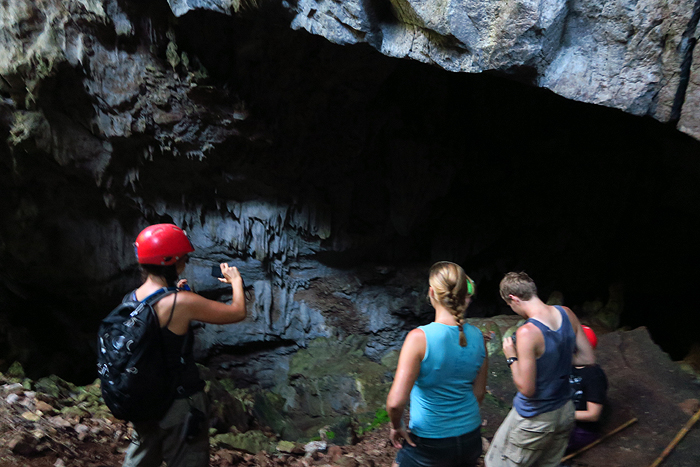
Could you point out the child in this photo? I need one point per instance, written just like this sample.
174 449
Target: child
590 387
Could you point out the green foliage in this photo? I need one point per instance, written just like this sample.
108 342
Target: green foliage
380 417
330 435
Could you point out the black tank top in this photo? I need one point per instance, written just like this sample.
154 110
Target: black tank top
179 358
178 350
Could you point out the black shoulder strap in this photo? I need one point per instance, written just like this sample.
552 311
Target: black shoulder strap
158 294
172 312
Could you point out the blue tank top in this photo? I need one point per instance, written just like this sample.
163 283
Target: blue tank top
552 388
442 399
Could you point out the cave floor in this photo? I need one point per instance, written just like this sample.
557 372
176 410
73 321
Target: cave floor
62 447
644 384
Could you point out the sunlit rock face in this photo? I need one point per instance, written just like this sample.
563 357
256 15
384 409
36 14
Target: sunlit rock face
331 176
630 55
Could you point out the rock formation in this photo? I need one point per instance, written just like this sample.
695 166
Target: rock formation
629 55
333 176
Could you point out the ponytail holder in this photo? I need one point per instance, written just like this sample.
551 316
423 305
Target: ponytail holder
470 286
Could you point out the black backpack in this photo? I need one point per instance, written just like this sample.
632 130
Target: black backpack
136 384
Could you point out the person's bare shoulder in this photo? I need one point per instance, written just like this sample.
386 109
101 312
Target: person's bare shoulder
528 331
416 336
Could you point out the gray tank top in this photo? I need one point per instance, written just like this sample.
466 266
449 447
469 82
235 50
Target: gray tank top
552 388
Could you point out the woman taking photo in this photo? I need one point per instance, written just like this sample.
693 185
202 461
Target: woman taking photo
162 252
442 369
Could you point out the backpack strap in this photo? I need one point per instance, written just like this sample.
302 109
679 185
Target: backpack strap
158 294
151 299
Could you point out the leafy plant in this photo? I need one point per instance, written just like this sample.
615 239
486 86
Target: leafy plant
330 435
380 417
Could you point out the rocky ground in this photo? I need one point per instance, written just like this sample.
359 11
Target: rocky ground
51 423
34 433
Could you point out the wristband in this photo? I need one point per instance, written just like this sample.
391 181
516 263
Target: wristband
510 360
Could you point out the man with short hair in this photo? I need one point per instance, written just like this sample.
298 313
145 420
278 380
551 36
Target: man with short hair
536 431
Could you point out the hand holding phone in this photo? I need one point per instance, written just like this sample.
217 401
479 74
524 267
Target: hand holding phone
217 271
227 274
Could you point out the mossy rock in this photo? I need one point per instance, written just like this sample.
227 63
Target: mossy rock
230 406
15 373
94 389
500 326
104 413
391 360
268 409
286 446
489 327
328 358
56 387
49 387
252 441
74 412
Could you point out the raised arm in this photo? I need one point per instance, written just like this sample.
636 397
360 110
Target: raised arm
407 371
202 309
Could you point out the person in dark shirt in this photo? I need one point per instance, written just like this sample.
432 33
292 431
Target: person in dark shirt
590 389
162 251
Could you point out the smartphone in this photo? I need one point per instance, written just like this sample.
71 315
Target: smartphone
216 271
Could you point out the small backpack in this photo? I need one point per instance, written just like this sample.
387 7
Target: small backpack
136 384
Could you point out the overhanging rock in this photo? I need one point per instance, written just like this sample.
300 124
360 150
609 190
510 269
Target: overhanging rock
635 56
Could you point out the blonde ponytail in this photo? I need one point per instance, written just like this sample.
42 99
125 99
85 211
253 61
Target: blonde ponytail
452 287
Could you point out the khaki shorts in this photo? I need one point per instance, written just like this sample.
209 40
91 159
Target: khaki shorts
536 441
159 440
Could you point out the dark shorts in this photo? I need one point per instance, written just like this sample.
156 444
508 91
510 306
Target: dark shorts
456 451
580 437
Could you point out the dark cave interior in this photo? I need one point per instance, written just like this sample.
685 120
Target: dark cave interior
480 169
419 164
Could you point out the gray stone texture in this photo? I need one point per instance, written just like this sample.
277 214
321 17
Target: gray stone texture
624 54
690 117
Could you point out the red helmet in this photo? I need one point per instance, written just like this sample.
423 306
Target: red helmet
590 335
162 244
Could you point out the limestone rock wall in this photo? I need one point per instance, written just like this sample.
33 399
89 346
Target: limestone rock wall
629 55
109 127
332 176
